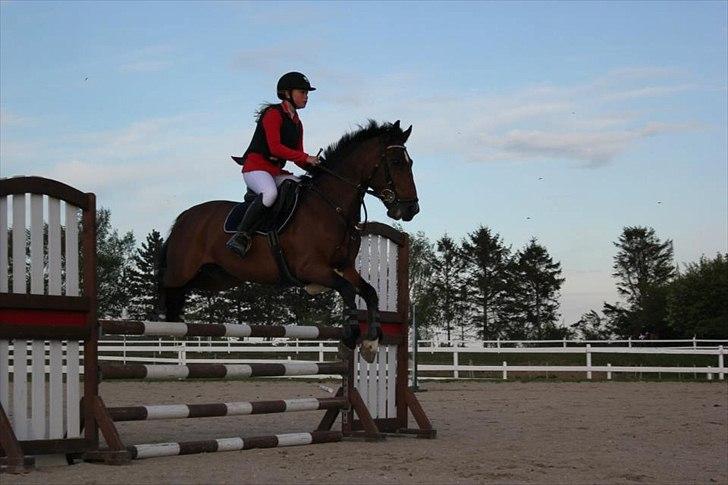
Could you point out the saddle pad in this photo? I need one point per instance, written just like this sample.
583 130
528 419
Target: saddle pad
279 216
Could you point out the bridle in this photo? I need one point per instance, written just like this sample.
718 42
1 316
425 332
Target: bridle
387 195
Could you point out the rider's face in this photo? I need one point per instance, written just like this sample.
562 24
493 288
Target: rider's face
300 97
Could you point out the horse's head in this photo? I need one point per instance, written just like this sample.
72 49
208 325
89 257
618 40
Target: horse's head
392 180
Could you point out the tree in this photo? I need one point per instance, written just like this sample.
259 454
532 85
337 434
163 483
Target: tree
113 253
325 308
487 278
643 267
424 298
141 278
697 300
591 326
447 280
538 281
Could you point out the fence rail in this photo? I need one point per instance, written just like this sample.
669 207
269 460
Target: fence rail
216 350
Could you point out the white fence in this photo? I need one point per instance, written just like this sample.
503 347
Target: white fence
199 350
203 350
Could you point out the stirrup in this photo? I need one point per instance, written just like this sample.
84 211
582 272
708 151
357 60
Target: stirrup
239 247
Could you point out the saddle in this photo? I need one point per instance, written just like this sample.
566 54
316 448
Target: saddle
278 216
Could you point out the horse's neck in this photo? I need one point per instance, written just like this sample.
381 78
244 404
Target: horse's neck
357 168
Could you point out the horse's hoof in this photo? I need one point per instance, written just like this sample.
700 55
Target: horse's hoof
369 350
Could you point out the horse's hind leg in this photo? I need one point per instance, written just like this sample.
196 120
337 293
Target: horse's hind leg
172 300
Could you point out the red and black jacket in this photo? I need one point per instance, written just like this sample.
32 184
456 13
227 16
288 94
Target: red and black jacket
278 137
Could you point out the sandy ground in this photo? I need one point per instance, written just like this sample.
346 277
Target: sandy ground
488 432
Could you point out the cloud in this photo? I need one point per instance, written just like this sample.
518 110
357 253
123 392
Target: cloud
590 123
152 58
593 148
145 66
11 119
645 92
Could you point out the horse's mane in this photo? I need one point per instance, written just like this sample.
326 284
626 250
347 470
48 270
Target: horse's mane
339 150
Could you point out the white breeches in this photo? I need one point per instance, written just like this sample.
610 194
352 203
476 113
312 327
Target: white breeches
261 182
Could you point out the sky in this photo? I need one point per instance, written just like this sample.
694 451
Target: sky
560 121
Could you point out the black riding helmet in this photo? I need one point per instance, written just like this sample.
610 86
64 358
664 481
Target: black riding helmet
292 80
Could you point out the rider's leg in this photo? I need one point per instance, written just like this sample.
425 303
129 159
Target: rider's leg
289 176
263 184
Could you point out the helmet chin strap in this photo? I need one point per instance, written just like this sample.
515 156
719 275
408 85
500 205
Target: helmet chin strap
289 98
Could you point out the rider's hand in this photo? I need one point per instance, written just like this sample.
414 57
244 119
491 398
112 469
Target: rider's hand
313 161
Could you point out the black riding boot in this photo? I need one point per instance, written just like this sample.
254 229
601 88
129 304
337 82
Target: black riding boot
241 241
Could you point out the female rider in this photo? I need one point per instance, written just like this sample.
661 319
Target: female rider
278 137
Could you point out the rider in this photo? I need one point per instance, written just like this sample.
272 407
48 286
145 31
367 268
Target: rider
278 137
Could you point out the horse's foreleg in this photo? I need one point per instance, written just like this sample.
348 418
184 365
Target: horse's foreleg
348 285
348 294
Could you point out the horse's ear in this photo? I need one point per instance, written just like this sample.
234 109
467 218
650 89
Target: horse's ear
407 133
396 125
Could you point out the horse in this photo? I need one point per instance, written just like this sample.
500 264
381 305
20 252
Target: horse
320 241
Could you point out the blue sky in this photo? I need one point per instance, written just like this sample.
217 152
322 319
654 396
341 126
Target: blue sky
564 121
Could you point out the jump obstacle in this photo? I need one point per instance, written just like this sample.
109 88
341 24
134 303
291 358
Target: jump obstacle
44 317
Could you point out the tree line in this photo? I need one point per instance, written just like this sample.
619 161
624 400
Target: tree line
477 287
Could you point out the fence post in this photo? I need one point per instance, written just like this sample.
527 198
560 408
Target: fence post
497 343
588 361
505 371
609 373
321 351
564 342
455 363
710 373
721 365
629 342
695 342
182 353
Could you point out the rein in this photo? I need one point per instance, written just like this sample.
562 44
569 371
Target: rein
387 195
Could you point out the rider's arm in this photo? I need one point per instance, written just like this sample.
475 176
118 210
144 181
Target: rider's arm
272 125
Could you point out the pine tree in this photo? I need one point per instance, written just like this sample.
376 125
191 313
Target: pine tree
447 281
424 298
487 278
539 282
644 268
113 253
141 279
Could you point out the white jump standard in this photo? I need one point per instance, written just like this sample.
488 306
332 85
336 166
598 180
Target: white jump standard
57 409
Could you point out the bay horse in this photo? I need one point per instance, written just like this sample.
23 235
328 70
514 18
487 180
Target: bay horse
321 240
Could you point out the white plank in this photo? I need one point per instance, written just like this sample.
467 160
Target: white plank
54 247
374 264
38 392
359 375
382 382
71 250
392 288
382 273
5 374
362 266
36 244
72 390
4 270
391 381
19 244
20 389
55 399
371 385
